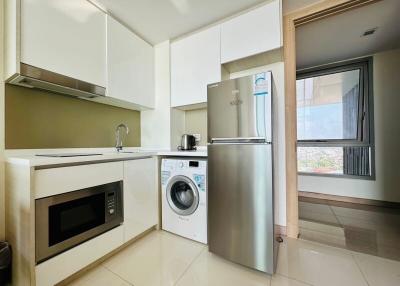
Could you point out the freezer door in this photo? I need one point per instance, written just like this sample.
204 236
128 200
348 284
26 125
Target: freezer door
240 204
240 108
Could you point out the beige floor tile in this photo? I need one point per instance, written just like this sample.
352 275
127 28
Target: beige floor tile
389 238
362 237
99 276
374 249
279 280
158 259
316 208
318 264
319 217
388 252
322 227
211 270
379 271
368 215
368 224
322 237
317 213
370 230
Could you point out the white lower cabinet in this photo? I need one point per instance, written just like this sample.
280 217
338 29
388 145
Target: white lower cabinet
25 184
140 196
59 267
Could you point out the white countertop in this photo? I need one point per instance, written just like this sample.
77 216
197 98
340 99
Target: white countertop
28 157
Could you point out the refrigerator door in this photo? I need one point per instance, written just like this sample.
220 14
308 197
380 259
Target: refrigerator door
240 108
240 204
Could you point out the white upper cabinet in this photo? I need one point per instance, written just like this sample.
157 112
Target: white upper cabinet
195 63
130 66
252 33
65 37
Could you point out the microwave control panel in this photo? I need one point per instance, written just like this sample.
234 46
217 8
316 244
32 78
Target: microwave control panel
111 203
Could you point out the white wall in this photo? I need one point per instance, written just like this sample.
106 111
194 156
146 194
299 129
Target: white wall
156 123
2 141
386 83
279 135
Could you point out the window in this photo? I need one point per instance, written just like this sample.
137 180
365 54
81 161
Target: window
328 106
334 119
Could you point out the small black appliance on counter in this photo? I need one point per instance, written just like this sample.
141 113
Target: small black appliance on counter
188 143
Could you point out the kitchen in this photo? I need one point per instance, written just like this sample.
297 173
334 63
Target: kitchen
128 140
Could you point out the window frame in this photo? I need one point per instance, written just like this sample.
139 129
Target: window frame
365 135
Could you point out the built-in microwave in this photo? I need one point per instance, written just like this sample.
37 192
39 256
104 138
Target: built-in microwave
66 220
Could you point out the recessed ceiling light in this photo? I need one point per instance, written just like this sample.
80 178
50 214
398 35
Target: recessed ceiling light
369 32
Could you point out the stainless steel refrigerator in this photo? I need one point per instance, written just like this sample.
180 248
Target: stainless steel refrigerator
240 171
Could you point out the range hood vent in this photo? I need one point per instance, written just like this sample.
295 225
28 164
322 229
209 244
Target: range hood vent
34 77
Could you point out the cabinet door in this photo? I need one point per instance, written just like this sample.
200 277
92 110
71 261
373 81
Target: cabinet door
130 66
252 33
65 37
140 196
195 63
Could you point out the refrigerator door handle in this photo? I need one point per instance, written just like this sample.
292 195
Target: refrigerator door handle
239 140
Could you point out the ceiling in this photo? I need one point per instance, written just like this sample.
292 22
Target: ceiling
339 37
160 20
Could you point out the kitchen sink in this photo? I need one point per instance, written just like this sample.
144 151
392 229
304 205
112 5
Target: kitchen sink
62 155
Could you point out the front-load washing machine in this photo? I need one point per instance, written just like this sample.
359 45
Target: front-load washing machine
184 197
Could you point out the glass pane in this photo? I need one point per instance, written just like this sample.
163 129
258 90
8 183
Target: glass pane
327 106
71 218
182 195
322 160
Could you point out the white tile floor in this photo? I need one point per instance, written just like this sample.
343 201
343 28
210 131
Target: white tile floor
366 229
164 259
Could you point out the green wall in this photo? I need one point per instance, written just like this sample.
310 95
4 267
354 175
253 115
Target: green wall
196 122
37 119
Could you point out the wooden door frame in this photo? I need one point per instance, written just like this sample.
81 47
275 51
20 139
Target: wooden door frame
290 22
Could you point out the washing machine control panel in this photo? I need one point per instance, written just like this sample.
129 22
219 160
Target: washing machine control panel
194 164
195 169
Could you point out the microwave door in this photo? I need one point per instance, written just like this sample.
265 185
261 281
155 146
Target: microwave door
238 109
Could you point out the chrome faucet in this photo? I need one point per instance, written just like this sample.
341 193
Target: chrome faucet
118 137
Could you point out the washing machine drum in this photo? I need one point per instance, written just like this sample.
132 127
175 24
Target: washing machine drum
182 195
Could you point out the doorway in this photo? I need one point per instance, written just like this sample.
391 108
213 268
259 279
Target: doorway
345 97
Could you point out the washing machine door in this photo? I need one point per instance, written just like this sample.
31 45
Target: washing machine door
182 195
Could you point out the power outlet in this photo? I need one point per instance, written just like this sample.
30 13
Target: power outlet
198 137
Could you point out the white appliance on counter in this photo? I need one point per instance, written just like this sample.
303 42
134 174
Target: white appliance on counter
184 197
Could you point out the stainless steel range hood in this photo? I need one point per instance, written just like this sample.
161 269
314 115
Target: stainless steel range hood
34 77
